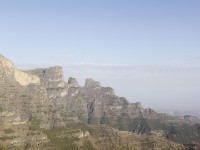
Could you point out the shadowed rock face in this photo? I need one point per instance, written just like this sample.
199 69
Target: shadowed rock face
43 95
72 82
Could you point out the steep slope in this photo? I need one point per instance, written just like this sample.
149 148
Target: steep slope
35 103
99 105
16 94
102 137
80 136
22 99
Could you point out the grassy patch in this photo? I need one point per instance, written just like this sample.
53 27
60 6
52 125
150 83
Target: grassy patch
87 145
1 109
62 143
7 138
8 131
35 124
2 147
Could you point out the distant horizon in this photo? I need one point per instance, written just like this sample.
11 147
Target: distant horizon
83 71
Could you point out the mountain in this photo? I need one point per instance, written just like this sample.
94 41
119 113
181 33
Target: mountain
39 110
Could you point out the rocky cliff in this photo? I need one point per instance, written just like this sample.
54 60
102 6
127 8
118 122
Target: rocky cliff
34 101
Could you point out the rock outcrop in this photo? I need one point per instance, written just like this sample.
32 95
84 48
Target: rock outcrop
21 97
25 78
91 83
50 77
6 67
72 82
8 70
40 98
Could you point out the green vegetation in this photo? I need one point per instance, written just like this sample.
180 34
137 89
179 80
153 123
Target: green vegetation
35 124
2 147
61 138
184 133
66 137
100 137
8 131
7 138
27 146
1 109
87 145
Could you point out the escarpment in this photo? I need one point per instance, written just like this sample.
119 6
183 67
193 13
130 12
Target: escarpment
33 102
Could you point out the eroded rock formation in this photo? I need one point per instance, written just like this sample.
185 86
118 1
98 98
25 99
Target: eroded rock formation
40 98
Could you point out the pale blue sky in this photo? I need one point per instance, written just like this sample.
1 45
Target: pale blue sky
106 33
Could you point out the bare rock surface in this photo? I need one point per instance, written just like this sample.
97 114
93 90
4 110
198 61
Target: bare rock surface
37 100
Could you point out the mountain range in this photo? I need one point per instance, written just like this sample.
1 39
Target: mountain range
39 110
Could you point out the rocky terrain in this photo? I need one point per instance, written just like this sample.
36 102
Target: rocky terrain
39 110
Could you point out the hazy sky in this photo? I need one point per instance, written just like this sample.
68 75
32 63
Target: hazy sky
147 50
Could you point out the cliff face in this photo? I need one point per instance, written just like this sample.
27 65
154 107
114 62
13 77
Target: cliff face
50 78
40 98
6 67
22 97
90 103
8 70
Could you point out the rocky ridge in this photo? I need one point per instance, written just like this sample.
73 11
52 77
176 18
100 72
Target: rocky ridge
40 98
